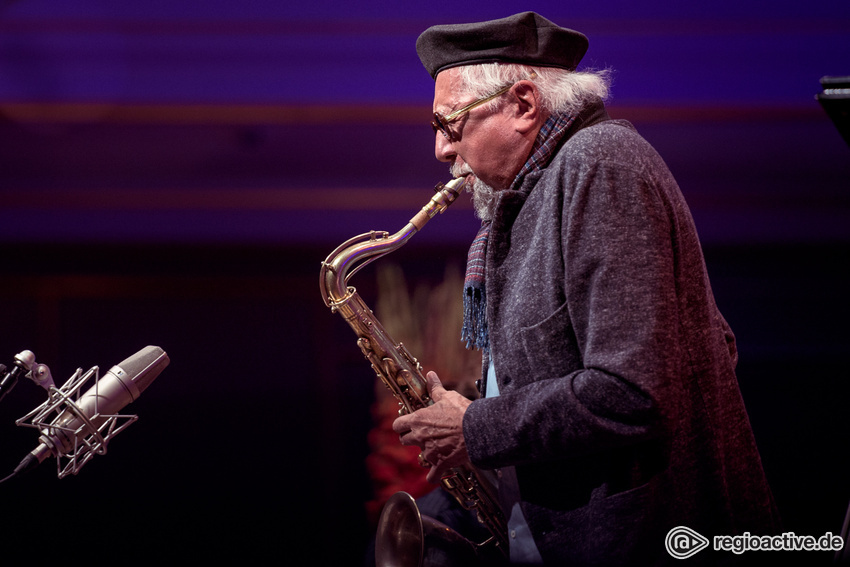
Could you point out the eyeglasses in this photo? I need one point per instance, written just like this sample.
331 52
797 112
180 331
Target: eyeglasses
440 123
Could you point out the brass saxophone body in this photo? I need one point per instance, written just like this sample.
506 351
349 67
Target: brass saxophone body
403 533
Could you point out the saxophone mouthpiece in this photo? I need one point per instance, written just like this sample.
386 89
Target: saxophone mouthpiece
445 194
455 184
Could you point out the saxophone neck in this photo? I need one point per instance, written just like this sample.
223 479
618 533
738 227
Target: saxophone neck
354 254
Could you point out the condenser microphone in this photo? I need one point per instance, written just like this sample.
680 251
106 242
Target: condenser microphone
123 384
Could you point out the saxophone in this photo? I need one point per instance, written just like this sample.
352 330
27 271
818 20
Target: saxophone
403 533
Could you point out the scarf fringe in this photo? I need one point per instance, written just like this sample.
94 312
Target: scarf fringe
474 331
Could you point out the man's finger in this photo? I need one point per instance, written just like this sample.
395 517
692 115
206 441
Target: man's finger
401 424
435 387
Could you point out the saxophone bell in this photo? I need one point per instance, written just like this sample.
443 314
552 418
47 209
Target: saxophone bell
407 538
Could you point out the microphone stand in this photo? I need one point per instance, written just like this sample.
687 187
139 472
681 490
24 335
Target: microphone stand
23 364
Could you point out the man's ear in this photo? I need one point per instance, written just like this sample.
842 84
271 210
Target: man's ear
528 112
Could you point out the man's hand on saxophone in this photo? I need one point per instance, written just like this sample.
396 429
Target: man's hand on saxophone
437 429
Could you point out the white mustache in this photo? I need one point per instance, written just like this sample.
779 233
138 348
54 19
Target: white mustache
483 199
460 170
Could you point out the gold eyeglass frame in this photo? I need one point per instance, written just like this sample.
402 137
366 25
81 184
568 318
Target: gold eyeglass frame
440 123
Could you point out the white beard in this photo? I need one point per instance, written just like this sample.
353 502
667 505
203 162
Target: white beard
483 195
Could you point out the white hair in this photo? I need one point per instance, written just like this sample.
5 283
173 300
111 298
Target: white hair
561 91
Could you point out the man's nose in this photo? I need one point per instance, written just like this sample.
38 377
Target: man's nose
443 148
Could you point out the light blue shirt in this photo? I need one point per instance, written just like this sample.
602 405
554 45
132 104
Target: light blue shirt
522 547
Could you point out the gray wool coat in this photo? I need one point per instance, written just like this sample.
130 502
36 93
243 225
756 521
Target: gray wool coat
619 404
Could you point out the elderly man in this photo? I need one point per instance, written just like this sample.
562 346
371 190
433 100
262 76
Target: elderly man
610 406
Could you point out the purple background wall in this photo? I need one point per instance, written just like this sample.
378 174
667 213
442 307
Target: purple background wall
173 172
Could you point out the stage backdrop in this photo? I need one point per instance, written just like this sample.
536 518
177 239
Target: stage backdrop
172 173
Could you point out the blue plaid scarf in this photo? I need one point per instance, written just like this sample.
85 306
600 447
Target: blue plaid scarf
474 330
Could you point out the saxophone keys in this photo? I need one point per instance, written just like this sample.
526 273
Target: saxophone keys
365 346
402 378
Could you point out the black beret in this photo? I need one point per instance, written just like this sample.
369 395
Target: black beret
526 38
